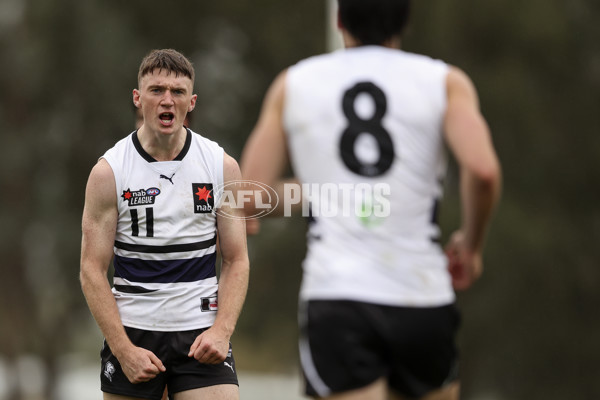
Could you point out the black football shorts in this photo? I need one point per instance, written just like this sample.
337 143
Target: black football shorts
346 345
183 372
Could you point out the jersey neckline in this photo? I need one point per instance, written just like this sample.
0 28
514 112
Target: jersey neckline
149 158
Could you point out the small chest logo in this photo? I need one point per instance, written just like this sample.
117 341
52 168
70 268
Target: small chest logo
204 201
169 178
140 197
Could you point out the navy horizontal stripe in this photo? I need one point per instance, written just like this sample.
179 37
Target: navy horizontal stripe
133 289
165 271
172 248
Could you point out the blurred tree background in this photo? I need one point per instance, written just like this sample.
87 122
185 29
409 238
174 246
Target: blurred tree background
530 326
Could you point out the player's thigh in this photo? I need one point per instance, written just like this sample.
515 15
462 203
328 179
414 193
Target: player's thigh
374 391
448 392
216 392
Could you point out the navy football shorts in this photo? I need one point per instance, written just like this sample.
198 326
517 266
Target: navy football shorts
346 345
183 372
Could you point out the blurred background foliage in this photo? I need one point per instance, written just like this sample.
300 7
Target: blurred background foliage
530 326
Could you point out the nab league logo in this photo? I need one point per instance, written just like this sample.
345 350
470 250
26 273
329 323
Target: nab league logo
204 201
140 197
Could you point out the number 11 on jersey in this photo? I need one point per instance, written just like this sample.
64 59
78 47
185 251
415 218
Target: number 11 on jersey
135 226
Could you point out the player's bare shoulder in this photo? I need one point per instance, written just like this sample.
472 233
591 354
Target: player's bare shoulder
101 189
458 84
231 169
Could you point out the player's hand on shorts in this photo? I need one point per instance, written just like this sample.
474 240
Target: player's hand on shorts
465 266
210 347
141 365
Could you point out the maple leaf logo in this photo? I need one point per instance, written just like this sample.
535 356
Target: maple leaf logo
203 193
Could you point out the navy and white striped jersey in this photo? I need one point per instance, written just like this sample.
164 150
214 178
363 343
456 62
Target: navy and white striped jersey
165 245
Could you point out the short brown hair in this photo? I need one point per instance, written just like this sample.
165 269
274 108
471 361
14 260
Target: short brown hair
169 60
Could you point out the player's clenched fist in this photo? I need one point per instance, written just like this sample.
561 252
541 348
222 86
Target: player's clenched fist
210 347
141 365
465 265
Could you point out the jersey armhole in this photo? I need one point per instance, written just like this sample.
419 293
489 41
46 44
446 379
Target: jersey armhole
117 177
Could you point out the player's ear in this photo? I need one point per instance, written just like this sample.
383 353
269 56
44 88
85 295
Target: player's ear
192 103
136 98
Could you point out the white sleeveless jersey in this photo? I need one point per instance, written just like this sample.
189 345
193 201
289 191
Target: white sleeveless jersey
364 128
165 245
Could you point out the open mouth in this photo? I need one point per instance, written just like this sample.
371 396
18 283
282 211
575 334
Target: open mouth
166 118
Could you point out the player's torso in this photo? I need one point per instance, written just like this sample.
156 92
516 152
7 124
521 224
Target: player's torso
370 119
165 247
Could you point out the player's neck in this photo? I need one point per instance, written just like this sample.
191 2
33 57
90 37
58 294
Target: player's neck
350 41
393 43
160 146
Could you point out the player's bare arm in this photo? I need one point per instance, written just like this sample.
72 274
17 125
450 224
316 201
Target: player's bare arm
265 156
98 234
212 345
469 139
